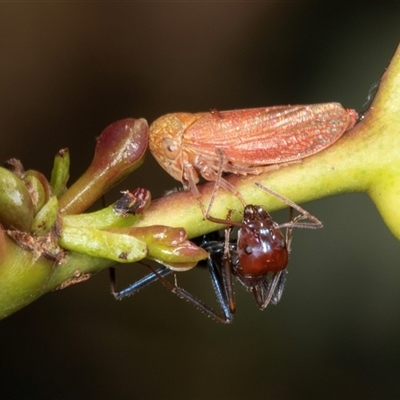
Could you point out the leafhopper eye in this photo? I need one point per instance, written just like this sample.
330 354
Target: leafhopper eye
171 148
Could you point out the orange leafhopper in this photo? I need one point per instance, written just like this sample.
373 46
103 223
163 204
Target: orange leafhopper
243 142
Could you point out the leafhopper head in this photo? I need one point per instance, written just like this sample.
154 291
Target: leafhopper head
165 141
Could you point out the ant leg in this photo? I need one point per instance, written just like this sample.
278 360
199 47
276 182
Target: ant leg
219 290
289 232
222 289
315 222
136 286
279 288
221 275
227 270
267 294
218 278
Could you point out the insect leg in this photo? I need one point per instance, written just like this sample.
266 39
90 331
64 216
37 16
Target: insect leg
279 288
183 294
220 278
219 266
223 291
269 292
219 181
136 286
190 182
227 270
315 222
289 229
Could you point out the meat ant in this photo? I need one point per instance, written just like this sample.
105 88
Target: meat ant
258 258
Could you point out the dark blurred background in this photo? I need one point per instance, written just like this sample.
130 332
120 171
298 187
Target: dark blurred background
67 70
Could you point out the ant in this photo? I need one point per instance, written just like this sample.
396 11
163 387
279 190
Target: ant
257 258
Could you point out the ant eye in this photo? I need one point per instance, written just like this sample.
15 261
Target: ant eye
248 250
